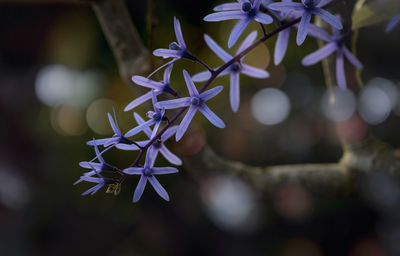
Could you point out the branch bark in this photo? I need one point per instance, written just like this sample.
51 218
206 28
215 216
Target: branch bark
131 55
360 158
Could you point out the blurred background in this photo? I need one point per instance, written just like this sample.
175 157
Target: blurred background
58 79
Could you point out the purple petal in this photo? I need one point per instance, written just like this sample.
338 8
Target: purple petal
158 188
164 170
201 77
234 92
154 100
143 81
319 33
340 75
254 72
171 104
211 116
247 42
286 7
229 15
328 17
90 165
167 53
139 128
190 85
227 7
113 124
171 157
93 189
167 73
178 33
136 102
303 27
150 157
237 31
353 60
139 188
319 54
185 123
392 23
211 93
322 3
168 133
281 46
155 129
133 170
256 4
99 142
129 147
263 18
140 121
217 49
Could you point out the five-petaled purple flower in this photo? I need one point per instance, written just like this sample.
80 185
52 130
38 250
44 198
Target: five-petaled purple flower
158 87
147 172
335 43
245 11
392 23
234 70
195 102
176 50
158 145
115 139
306 9
96 167
156 117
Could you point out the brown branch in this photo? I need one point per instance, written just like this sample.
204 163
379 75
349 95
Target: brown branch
131 55
367 156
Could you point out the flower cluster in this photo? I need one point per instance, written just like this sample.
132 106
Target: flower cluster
159 126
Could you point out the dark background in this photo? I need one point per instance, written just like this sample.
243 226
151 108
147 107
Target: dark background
41 144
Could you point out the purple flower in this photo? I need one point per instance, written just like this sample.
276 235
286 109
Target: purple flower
335 44
158 87
96 167
156 117
195 102
157 146
176 50
392 23
115 139
100 183
147 172
245 11
234 70
307 8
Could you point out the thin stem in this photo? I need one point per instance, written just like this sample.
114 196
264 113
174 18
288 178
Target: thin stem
263 28
203 64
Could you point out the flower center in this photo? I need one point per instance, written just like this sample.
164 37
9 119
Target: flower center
308 3
174 46
156 116
195 101
147 172
235 67
157 143
246 7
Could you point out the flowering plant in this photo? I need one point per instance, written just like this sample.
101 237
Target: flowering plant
286 15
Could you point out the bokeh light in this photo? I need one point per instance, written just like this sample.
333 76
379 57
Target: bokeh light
270 106
374 104
230 203
96 116
58 84
14 193
341 108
